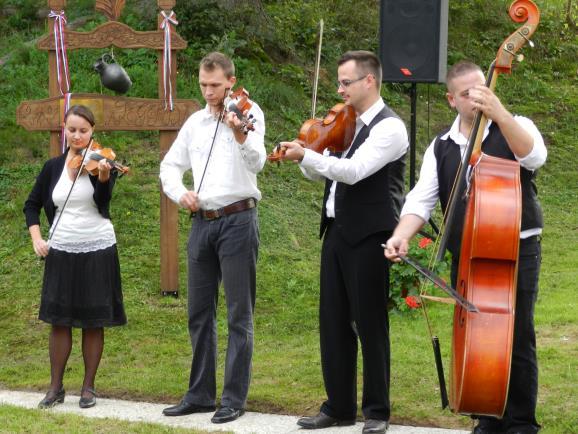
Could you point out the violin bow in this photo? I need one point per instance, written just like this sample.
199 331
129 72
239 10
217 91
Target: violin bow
317 66
219 120
437 281
87 150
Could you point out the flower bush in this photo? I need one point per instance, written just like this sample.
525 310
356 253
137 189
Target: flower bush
405 281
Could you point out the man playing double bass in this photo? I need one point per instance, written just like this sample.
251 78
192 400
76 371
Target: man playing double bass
363 187
505 136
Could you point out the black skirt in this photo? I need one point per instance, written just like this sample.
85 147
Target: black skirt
82 289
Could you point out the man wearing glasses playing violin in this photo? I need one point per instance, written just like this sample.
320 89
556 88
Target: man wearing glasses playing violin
363 192
225 154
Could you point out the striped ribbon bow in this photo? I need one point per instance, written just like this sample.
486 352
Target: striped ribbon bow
62 72
167 72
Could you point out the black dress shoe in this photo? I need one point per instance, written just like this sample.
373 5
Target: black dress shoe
482 430
323 420
183 408
51 399
227 414
375 426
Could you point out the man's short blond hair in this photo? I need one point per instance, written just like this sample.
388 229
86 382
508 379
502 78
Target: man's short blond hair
216 60
461 68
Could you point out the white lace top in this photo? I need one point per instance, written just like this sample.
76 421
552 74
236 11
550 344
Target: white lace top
81 227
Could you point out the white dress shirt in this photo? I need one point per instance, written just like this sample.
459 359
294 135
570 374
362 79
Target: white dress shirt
387 142
231 172
422 199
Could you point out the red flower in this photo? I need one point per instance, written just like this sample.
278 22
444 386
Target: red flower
412 302
424 242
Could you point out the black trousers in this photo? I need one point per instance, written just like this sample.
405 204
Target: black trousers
353 303
520 413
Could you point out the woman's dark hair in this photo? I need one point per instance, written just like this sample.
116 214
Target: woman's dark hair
82 111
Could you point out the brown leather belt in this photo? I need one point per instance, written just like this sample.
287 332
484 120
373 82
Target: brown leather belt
242 205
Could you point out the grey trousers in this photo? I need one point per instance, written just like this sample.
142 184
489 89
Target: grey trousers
224 250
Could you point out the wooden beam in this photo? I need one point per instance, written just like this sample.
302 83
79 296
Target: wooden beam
112 113
114 33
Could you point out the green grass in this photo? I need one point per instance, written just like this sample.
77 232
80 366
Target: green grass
19 420
149 359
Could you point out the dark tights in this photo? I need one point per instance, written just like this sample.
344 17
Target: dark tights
60 345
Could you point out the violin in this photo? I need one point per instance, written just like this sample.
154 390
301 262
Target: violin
334 132
238 102
96 153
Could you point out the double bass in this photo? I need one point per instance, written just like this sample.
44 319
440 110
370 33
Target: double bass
482 341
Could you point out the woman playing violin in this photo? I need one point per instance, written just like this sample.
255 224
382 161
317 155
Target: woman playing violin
82 285
363 189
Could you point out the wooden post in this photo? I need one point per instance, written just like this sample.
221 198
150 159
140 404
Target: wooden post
169 210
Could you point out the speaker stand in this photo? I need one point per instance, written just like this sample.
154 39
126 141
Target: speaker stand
412 135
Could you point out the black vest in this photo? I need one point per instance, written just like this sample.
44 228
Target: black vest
371 205
447 155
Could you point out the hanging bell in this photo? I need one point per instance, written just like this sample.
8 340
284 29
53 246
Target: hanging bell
112 75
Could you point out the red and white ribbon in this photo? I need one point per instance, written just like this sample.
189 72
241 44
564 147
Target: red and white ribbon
61 65
167 73
60 47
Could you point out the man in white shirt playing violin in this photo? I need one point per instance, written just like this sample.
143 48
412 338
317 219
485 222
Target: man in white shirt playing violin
225 152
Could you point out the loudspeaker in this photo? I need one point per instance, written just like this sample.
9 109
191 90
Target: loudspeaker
413 40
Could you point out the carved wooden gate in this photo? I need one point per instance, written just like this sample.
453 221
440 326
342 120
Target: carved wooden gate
117 112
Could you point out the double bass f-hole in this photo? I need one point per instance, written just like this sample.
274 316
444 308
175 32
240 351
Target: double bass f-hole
461 313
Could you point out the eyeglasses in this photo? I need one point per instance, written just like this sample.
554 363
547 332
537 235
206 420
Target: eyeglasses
346 83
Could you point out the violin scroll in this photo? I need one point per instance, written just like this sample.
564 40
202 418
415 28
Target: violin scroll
238 102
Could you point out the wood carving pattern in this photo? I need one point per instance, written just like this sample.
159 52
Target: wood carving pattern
117 34
110 8
56 5
166 5
118 113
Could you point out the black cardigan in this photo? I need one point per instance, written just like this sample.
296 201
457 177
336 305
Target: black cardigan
41 194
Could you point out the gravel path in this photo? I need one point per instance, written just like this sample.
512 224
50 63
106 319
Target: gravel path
257 423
